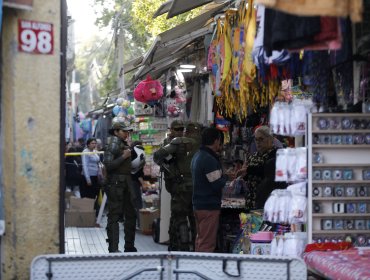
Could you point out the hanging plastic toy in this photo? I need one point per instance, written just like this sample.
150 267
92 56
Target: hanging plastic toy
148 91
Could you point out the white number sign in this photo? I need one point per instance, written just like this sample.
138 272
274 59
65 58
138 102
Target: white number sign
35 37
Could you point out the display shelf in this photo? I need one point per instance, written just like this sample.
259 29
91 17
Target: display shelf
341 198
340 182
336 115
340 164
342 146
340 131
344 231
340 215
331 158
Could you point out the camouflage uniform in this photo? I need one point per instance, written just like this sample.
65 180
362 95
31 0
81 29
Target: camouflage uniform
118 188
175 159
176 130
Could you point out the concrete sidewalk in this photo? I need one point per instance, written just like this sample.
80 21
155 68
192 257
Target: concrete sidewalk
93 241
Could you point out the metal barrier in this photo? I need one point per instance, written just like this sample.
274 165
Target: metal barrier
166 265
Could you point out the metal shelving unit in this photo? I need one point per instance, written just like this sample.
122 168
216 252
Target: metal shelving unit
328 215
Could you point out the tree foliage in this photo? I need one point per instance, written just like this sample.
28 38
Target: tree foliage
134 18
99 53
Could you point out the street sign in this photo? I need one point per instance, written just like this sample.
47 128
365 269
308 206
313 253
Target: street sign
35 37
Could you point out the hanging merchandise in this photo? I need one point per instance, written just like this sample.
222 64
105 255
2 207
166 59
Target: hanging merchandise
287 206
221 123
283 31
148 91
238 39
239 91
329 37
259 55
291 165
290 119
223 53
342 69
249 69
227 80
316 76
215 58
338 8
175 93
291 244
248 95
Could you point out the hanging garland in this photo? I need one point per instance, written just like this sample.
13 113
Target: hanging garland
237 87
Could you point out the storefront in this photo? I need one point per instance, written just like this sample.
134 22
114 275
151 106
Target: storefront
252 69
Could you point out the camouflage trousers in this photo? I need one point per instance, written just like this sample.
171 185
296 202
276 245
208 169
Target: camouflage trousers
119 204
182 222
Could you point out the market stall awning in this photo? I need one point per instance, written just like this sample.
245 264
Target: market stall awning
169 44
182 6
178 7
132 64
164 8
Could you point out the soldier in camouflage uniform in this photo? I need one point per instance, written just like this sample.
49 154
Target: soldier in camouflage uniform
176 130
175 159
118 187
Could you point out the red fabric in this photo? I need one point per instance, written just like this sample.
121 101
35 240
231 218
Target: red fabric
352 264
328 246
329 38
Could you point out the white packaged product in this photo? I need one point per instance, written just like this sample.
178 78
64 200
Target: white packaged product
281 173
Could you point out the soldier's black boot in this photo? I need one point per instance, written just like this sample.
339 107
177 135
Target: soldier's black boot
130 248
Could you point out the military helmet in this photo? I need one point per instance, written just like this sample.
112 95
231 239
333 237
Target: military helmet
193 128
119 125
177 124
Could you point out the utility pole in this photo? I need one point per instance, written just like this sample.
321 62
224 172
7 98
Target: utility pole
121 75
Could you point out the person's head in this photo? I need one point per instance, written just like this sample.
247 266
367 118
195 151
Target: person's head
177 129
99 144
193 130
81 141
68 145
264 138
121 130
91 143
212 138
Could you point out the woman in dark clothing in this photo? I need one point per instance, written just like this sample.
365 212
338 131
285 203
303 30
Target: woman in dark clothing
73 172
259 170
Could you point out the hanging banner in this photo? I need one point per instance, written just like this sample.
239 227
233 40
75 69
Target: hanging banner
18 4
35 37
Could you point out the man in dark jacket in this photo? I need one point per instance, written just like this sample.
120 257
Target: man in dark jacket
208 183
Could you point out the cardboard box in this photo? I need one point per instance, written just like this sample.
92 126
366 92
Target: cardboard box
81 204
74 218
147 217
260 248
